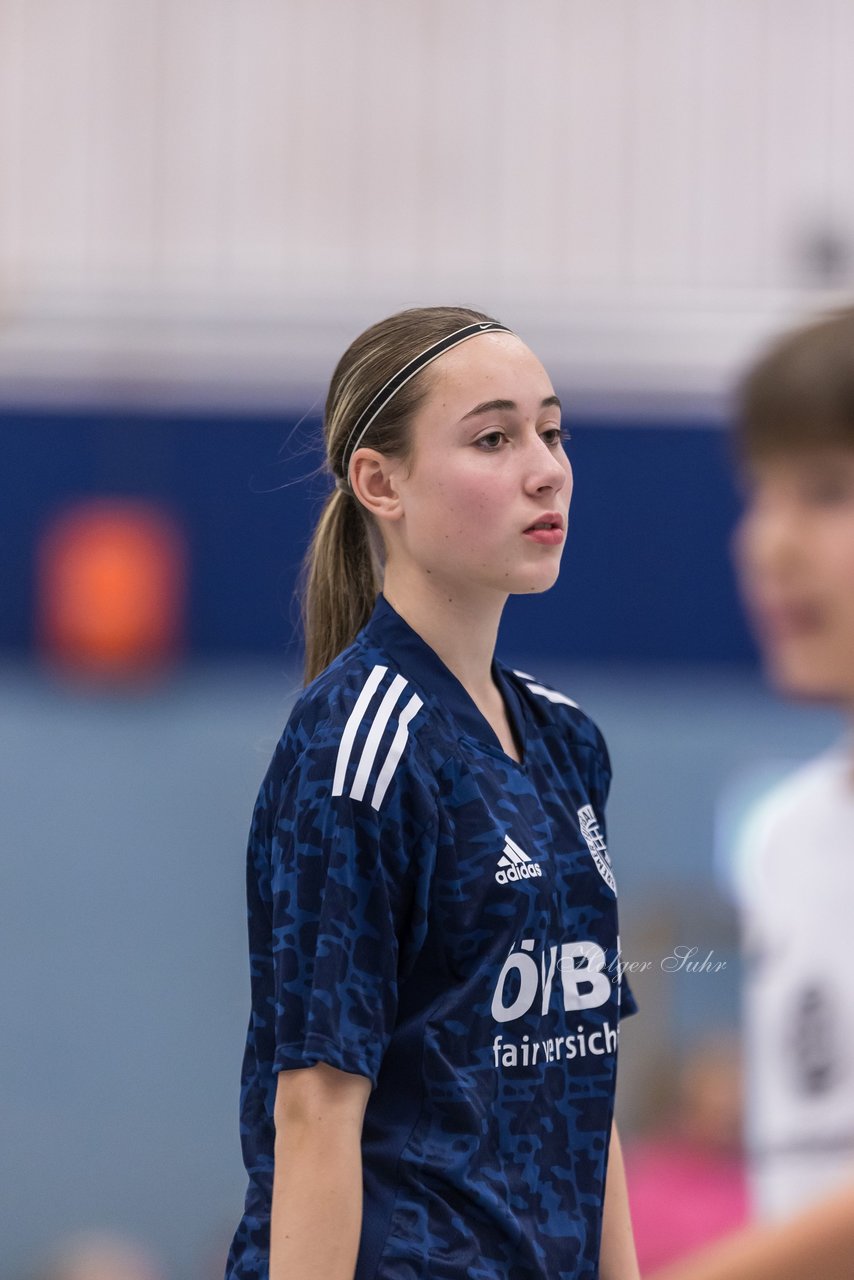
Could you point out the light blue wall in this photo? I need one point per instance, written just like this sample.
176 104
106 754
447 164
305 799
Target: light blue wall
122 956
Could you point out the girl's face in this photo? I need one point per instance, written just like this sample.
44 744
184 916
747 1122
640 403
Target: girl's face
795 555
484 494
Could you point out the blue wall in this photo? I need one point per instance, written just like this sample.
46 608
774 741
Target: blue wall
646 573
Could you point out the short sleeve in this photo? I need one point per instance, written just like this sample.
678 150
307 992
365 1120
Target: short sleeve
599 779
628 1003
599 784
349 891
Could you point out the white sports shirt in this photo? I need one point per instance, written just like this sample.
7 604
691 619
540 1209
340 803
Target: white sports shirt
797 885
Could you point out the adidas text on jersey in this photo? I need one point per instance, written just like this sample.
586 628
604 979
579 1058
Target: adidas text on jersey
515 864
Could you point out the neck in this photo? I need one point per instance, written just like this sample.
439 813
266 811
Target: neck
461 628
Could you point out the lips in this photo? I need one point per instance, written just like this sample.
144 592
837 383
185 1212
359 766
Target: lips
790 619
551 520
547 530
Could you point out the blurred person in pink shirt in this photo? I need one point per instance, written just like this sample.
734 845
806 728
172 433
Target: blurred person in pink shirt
98 1256
686 1176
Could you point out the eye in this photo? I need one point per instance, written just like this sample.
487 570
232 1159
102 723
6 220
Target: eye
555 436
491 442
827 488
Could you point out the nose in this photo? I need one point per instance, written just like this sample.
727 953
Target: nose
548 469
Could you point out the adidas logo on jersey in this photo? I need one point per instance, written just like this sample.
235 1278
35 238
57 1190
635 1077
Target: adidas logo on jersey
515 864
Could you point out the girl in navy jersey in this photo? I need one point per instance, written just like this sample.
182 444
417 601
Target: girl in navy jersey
428 1082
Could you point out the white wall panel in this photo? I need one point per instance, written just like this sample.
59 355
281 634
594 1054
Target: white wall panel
589 118
731 141
840 71
531 147
798 160
662 203
199 188
52 172
124 137
12 143
403 104
196 174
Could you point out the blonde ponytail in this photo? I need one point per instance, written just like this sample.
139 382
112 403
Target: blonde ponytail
342 581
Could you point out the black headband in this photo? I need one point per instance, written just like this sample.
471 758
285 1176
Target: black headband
391 388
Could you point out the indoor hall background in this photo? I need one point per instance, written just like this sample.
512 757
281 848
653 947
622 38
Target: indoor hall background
202 203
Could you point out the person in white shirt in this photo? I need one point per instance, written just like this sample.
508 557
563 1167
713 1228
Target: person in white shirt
795 554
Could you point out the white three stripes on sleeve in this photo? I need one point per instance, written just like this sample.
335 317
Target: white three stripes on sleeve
412 708
372 746
349 734
374 738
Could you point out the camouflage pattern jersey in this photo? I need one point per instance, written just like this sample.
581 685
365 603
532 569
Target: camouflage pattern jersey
430 914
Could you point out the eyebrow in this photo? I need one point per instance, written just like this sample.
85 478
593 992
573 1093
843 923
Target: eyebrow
493 406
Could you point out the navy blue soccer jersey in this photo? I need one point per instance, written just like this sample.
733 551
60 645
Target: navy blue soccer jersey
429 913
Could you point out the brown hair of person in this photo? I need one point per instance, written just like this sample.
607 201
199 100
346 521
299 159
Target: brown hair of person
799 395
342 572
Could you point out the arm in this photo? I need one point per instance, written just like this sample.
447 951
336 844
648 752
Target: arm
818 1242
617 1258
317 1184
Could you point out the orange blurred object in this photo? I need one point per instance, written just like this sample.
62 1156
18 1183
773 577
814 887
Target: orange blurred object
111 595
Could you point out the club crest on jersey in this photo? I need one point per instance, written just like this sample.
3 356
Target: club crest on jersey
516 864
589 825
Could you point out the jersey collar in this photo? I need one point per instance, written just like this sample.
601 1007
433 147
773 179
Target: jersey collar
423 666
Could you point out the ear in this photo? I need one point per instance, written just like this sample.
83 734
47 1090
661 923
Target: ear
373 479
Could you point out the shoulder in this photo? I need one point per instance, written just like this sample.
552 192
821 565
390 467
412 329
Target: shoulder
772 831
551 707
789 803
359 731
